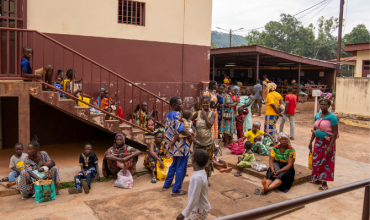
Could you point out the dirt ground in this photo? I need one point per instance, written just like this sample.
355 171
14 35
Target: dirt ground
148 201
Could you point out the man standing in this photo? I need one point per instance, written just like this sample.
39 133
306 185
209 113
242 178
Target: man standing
291 103
179 150
257 98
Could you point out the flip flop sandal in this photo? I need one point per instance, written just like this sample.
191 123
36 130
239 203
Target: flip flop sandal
313 182
5 179
266 193
238 174
257 191
323 188
154 180
85 186
181 193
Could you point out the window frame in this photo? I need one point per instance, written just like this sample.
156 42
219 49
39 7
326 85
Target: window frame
132 14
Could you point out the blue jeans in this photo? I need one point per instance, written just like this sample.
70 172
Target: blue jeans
90 173
12 176
179 166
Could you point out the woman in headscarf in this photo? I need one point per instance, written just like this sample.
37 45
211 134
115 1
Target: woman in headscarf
213 99
265 90
228 118
272 102
325 133
281 171
101 94
120 156
155 153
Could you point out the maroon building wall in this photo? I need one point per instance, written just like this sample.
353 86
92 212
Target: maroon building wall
9 120
165 69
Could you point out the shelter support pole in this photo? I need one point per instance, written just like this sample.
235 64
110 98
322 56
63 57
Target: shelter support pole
366 206
299 81
214 67
257 66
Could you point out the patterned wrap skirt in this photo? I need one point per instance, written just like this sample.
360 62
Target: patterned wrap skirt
322 165
209 167
215 125
25 183
270 125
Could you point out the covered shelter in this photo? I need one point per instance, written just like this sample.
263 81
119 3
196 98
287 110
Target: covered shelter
246 64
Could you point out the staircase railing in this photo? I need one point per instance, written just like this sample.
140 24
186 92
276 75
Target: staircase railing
47 51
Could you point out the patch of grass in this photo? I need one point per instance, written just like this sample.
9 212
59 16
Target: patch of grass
64 185
142 173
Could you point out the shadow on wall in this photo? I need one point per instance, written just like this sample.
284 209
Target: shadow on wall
53 126
9 121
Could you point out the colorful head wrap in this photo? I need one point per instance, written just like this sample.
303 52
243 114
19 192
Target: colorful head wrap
271 86
159 131
117 136
236 87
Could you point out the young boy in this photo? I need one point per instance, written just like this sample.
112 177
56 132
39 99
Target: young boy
179 151
247 159
26 66
187 123
259 147
198 206
89 169
16 164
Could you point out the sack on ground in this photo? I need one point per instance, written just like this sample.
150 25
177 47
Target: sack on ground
162 173
310 161
44 191
124 179
258 166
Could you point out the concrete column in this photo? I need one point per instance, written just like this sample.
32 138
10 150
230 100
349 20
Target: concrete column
24 118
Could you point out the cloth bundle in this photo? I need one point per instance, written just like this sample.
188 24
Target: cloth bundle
259 167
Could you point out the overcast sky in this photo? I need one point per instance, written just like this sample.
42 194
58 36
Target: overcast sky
249 14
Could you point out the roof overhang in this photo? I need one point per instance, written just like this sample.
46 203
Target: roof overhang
353 48
268 56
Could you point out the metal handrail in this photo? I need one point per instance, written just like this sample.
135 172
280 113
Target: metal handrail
84 57
102 110
293 203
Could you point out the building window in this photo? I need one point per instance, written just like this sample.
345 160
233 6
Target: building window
131 12
366 68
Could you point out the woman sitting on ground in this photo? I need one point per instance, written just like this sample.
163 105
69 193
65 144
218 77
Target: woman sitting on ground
155 153
259 146
120 156
27 176
281 171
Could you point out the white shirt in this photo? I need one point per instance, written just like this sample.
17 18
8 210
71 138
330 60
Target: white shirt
197 194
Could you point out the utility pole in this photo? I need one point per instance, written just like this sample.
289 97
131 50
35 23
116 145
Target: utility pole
230 33
339 48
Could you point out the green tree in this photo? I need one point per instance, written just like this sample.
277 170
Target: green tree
213 45
326 43
287 35
359 34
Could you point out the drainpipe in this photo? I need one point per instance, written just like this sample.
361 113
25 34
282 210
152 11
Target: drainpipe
1 126
183 51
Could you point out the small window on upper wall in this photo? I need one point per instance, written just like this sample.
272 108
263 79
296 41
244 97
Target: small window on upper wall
131 12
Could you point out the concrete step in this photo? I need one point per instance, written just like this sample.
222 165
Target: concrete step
4 191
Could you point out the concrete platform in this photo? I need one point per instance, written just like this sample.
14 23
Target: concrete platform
302 174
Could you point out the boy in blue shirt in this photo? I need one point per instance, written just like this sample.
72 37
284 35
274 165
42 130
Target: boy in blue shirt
26 66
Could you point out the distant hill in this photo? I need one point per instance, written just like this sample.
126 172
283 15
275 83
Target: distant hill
222 39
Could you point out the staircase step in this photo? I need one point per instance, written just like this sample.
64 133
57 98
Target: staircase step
138 135
98 119
126 130
112 125
148 139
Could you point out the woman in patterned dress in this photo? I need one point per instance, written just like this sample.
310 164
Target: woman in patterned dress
220 100
120 156
156 152
281 171
213 97
228 122
27 177
273 100
325 134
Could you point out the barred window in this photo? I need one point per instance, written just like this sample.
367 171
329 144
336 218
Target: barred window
131 12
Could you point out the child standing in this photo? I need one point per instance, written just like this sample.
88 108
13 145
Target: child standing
198 206
16 164
239 122
89 169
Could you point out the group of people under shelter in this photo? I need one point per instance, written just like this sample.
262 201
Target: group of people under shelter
222 112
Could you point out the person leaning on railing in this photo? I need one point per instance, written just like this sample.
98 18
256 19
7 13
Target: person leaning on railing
27 69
